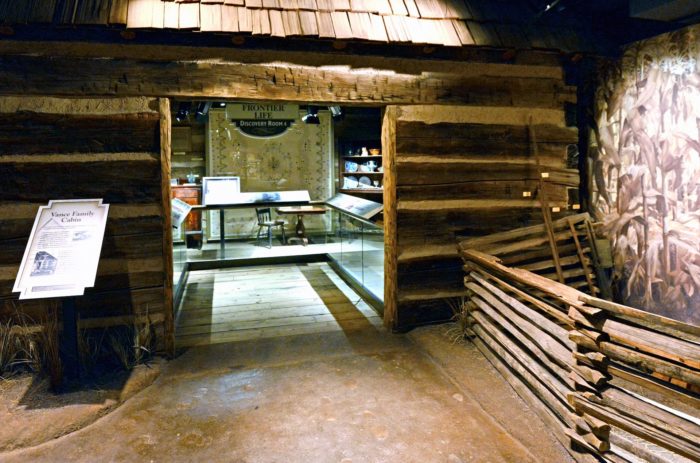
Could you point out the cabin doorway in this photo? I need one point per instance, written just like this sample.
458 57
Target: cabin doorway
277 219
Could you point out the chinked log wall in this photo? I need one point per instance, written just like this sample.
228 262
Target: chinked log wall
460 172
529 88
52 148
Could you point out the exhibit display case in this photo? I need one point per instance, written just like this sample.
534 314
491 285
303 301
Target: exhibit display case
359 250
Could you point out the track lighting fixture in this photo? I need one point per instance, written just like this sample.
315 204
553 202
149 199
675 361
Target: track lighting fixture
336 112
202 110
311 116
183 111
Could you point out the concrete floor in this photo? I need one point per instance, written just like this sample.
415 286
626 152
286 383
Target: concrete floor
353 396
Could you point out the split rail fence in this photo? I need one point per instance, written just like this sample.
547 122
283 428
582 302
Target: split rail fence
612 382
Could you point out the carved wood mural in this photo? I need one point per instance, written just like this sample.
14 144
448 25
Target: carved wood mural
647 173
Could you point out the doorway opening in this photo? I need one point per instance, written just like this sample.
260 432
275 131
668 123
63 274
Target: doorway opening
277 216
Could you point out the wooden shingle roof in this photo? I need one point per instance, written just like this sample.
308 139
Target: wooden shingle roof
452 23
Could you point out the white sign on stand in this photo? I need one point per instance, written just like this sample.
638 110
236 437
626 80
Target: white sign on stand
63 251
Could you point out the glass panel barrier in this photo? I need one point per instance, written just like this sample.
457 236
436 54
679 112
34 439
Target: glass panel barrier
361 252
373 261
355 245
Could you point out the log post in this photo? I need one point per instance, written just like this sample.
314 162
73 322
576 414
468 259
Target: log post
390 218
165 153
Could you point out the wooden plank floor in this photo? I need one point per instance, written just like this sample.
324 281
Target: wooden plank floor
237 304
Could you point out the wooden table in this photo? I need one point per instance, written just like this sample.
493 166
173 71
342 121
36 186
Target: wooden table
300 212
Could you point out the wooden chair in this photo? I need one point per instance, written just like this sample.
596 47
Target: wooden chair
265 221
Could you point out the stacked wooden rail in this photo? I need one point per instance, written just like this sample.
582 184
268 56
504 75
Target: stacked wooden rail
650 375
564 251
612 382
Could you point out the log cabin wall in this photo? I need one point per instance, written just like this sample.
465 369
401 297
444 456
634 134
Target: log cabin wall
465 171
55 148
527 87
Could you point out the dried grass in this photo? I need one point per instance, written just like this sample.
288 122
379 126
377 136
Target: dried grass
27 346
458 332
20 345
8 352
122 346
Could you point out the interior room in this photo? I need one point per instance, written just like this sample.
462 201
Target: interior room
295 184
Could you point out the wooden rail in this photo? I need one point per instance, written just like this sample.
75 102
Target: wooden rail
592 370
560 249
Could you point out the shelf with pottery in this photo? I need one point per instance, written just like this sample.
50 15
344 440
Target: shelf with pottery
362 156
360 170
362 173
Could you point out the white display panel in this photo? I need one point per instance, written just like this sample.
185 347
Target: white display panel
218 191
63 251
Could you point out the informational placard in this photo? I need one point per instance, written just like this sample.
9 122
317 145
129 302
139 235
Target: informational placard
358 206
63 251
262 119
217 191
179 211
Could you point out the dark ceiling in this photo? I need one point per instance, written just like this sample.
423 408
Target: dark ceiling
619 22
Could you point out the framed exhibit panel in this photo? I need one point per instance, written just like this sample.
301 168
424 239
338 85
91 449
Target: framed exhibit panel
217 191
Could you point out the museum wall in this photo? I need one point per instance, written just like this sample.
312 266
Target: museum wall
646 171
54 148
299 159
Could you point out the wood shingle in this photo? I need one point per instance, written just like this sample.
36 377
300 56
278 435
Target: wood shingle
452 23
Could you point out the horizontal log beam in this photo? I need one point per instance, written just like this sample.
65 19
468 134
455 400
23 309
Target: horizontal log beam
23 74
32 133
486 134
479 190
520 233
113 181
466 205
665 392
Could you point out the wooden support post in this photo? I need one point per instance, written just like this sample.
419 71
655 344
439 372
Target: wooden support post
391 299
222 233
70 358
165 154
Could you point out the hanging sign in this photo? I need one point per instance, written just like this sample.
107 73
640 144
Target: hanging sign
262 119
63 251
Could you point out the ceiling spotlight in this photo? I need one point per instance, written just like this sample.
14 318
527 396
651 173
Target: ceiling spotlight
336 112
311 116
183 111
219 104
202 110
